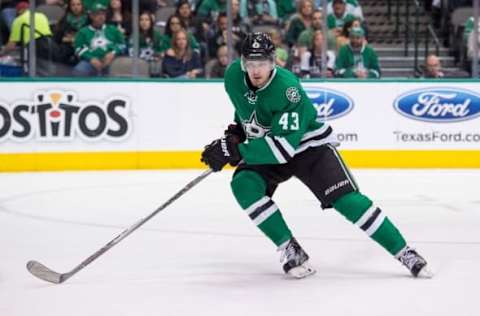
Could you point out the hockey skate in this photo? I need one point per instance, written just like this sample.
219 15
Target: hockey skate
414 262
295 260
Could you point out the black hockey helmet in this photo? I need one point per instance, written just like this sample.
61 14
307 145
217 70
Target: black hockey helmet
257 46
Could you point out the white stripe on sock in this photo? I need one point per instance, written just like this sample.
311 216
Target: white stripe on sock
368 213
257 204
265 214
376 224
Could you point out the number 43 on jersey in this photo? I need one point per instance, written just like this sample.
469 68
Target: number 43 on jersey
289 121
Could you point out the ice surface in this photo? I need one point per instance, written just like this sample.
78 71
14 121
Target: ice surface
203 256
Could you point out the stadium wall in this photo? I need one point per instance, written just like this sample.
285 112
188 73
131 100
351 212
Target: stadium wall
133 124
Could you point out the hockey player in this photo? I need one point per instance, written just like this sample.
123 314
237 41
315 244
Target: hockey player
277 136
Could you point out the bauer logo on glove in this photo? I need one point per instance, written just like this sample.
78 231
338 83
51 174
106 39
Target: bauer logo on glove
220 152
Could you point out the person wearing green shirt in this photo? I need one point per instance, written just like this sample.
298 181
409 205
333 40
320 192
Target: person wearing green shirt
89 4
357 59
151 41
175 24
468 28
97 44
305 38
278 135
351 6
209 9
338 17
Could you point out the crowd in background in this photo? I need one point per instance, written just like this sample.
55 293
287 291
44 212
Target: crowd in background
188 38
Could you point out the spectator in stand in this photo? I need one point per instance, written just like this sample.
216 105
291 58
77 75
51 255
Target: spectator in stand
181 61
193 5
351 6
7 15
219 38
21 31
432 68
185 13
240 28
209 9
175 24
357 59
74 19
472 41
259 12
218 65
281 50
119 16
338 17
311 61
97 44
300 21
151 41
88 4
344 37
146 5
468 28
285 9
306 37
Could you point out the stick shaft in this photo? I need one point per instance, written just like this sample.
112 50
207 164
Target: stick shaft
135 226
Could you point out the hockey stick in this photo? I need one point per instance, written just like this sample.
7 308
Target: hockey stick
42 272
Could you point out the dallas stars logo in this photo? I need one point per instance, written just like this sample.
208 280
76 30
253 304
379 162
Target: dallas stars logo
253 129
293 95
99 41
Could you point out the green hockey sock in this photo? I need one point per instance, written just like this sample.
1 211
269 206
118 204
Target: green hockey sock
360 210
249 189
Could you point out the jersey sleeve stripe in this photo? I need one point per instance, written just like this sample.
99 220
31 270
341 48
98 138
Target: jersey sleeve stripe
317 134
81 51
286 145
318 139
276 152
286 155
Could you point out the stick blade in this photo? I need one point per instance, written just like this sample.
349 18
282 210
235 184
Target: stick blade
44 273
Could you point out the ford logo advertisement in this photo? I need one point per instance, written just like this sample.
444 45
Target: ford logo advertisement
439 105
329 104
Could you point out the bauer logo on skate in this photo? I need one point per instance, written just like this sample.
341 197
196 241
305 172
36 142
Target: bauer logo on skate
330 104
59 116
439 105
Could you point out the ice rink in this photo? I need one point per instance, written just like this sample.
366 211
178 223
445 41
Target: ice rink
203 256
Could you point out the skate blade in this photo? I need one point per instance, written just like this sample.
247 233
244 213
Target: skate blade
425 273
302 271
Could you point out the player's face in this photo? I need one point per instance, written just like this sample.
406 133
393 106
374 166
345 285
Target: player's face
258 71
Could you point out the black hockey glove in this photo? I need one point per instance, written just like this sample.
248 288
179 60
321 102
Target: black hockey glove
220 152
236 130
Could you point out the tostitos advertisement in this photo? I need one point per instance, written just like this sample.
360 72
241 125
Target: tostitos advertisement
63 125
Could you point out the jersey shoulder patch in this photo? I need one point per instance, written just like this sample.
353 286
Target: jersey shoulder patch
293 94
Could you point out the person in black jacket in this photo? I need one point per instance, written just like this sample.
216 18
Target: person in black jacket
74 19
180 60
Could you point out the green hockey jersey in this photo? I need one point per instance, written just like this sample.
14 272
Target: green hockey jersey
279 119
96 43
